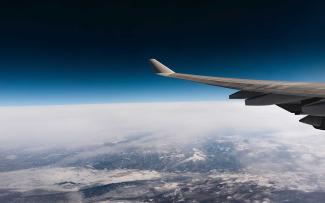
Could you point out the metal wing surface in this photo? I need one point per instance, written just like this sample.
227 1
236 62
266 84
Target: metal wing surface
295 97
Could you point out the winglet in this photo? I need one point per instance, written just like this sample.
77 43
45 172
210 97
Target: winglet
159 68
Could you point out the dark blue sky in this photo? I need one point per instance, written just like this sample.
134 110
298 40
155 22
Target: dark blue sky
66 52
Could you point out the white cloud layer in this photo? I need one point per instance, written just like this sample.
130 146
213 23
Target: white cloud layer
75 125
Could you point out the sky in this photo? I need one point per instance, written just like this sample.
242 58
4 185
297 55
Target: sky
80 52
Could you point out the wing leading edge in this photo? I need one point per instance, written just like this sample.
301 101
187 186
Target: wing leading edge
298 98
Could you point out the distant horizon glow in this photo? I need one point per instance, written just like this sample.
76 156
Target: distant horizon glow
74 125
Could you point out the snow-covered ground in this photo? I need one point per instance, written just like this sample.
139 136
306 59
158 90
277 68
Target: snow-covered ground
68 178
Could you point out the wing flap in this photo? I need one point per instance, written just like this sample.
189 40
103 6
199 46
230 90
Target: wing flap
316 108
291 107
270 99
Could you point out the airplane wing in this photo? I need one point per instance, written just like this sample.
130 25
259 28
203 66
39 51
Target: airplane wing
298 98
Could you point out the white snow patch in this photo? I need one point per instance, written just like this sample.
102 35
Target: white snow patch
11 157
167 187
286 180
197 156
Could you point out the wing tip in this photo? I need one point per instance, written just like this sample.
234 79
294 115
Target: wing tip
160 68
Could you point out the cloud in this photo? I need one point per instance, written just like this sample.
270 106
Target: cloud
75 125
